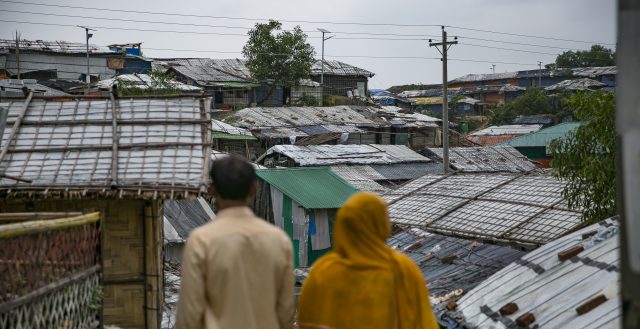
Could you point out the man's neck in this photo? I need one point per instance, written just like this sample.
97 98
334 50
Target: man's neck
225 204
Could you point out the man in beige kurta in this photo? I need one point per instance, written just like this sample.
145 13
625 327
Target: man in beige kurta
237 271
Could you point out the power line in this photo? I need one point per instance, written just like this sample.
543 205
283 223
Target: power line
194 32
527 35
217 17
205 25
298 21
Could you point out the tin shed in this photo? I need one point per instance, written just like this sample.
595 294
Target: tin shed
303 202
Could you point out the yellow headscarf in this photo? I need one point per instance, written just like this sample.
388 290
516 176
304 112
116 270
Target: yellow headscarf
363 283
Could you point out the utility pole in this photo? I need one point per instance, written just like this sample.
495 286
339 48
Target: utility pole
493 68
445 96
322 64
88 36
18 53
540 75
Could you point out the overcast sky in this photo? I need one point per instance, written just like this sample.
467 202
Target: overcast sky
583 20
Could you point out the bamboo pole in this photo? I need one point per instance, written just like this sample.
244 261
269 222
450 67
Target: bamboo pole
114 138
25 216
32 227
122 122
16 126
106 147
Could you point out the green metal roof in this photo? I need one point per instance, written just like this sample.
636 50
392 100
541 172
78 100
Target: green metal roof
543 137
312 188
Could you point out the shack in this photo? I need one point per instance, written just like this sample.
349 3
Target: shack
303 202
121 157
371 167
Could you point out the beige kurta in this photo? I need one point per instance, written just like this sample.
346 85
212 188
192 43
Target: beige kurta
237 272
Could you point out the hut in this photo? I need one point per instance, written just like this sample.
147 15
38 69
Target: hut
121 157
303 202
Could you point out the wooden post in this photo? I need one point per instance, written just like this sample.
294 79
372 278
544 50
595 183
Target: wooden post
16 126
114 140
18 54
153 272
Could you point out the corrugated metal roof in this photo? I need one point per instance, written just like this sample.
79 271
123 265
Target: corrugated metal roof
484 159
186 215
313 188
576 84
520 209
399 116
222 130
543 137
485 77
207 71
592 72
551 289
13 87
506 130
339 68
68 146
324 155
284 122
472 262
57 46
489 140
145 81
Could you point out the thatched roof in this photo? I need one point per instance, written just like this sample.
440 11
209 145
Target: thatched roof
67 148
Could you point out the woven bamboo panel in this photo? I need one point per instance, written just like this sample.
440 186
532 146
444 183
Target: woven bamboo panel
122 252
69 306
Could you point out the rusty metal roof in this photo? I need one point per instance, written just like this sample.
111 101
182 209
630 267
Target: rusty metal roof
551 289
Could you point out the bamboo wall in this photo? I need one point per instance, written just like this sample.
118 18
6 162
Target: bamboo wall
125 275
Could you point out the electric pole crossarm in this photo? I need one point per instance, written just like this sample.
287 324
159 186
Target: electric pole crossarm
445 96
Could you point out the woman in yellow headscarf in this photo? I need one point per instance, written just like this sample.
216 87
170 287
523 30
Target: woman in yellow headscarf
363 283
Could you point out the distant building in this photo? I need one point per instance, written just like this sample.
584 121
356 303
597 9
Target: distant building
338 125
232 86
498 134
342 79
44 60
535 146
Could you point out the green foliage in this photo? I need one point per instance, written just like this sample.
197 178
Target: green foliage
281 58
532 102
596 56
585 158
160 86
95 304
453 104
307 100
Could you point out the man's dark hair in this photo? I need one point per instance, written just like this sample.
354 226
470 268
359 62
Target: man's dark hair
232 177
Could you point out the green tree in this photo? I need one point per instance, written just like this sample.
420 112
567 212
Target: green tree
533 101
280 58
596 56
585 157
